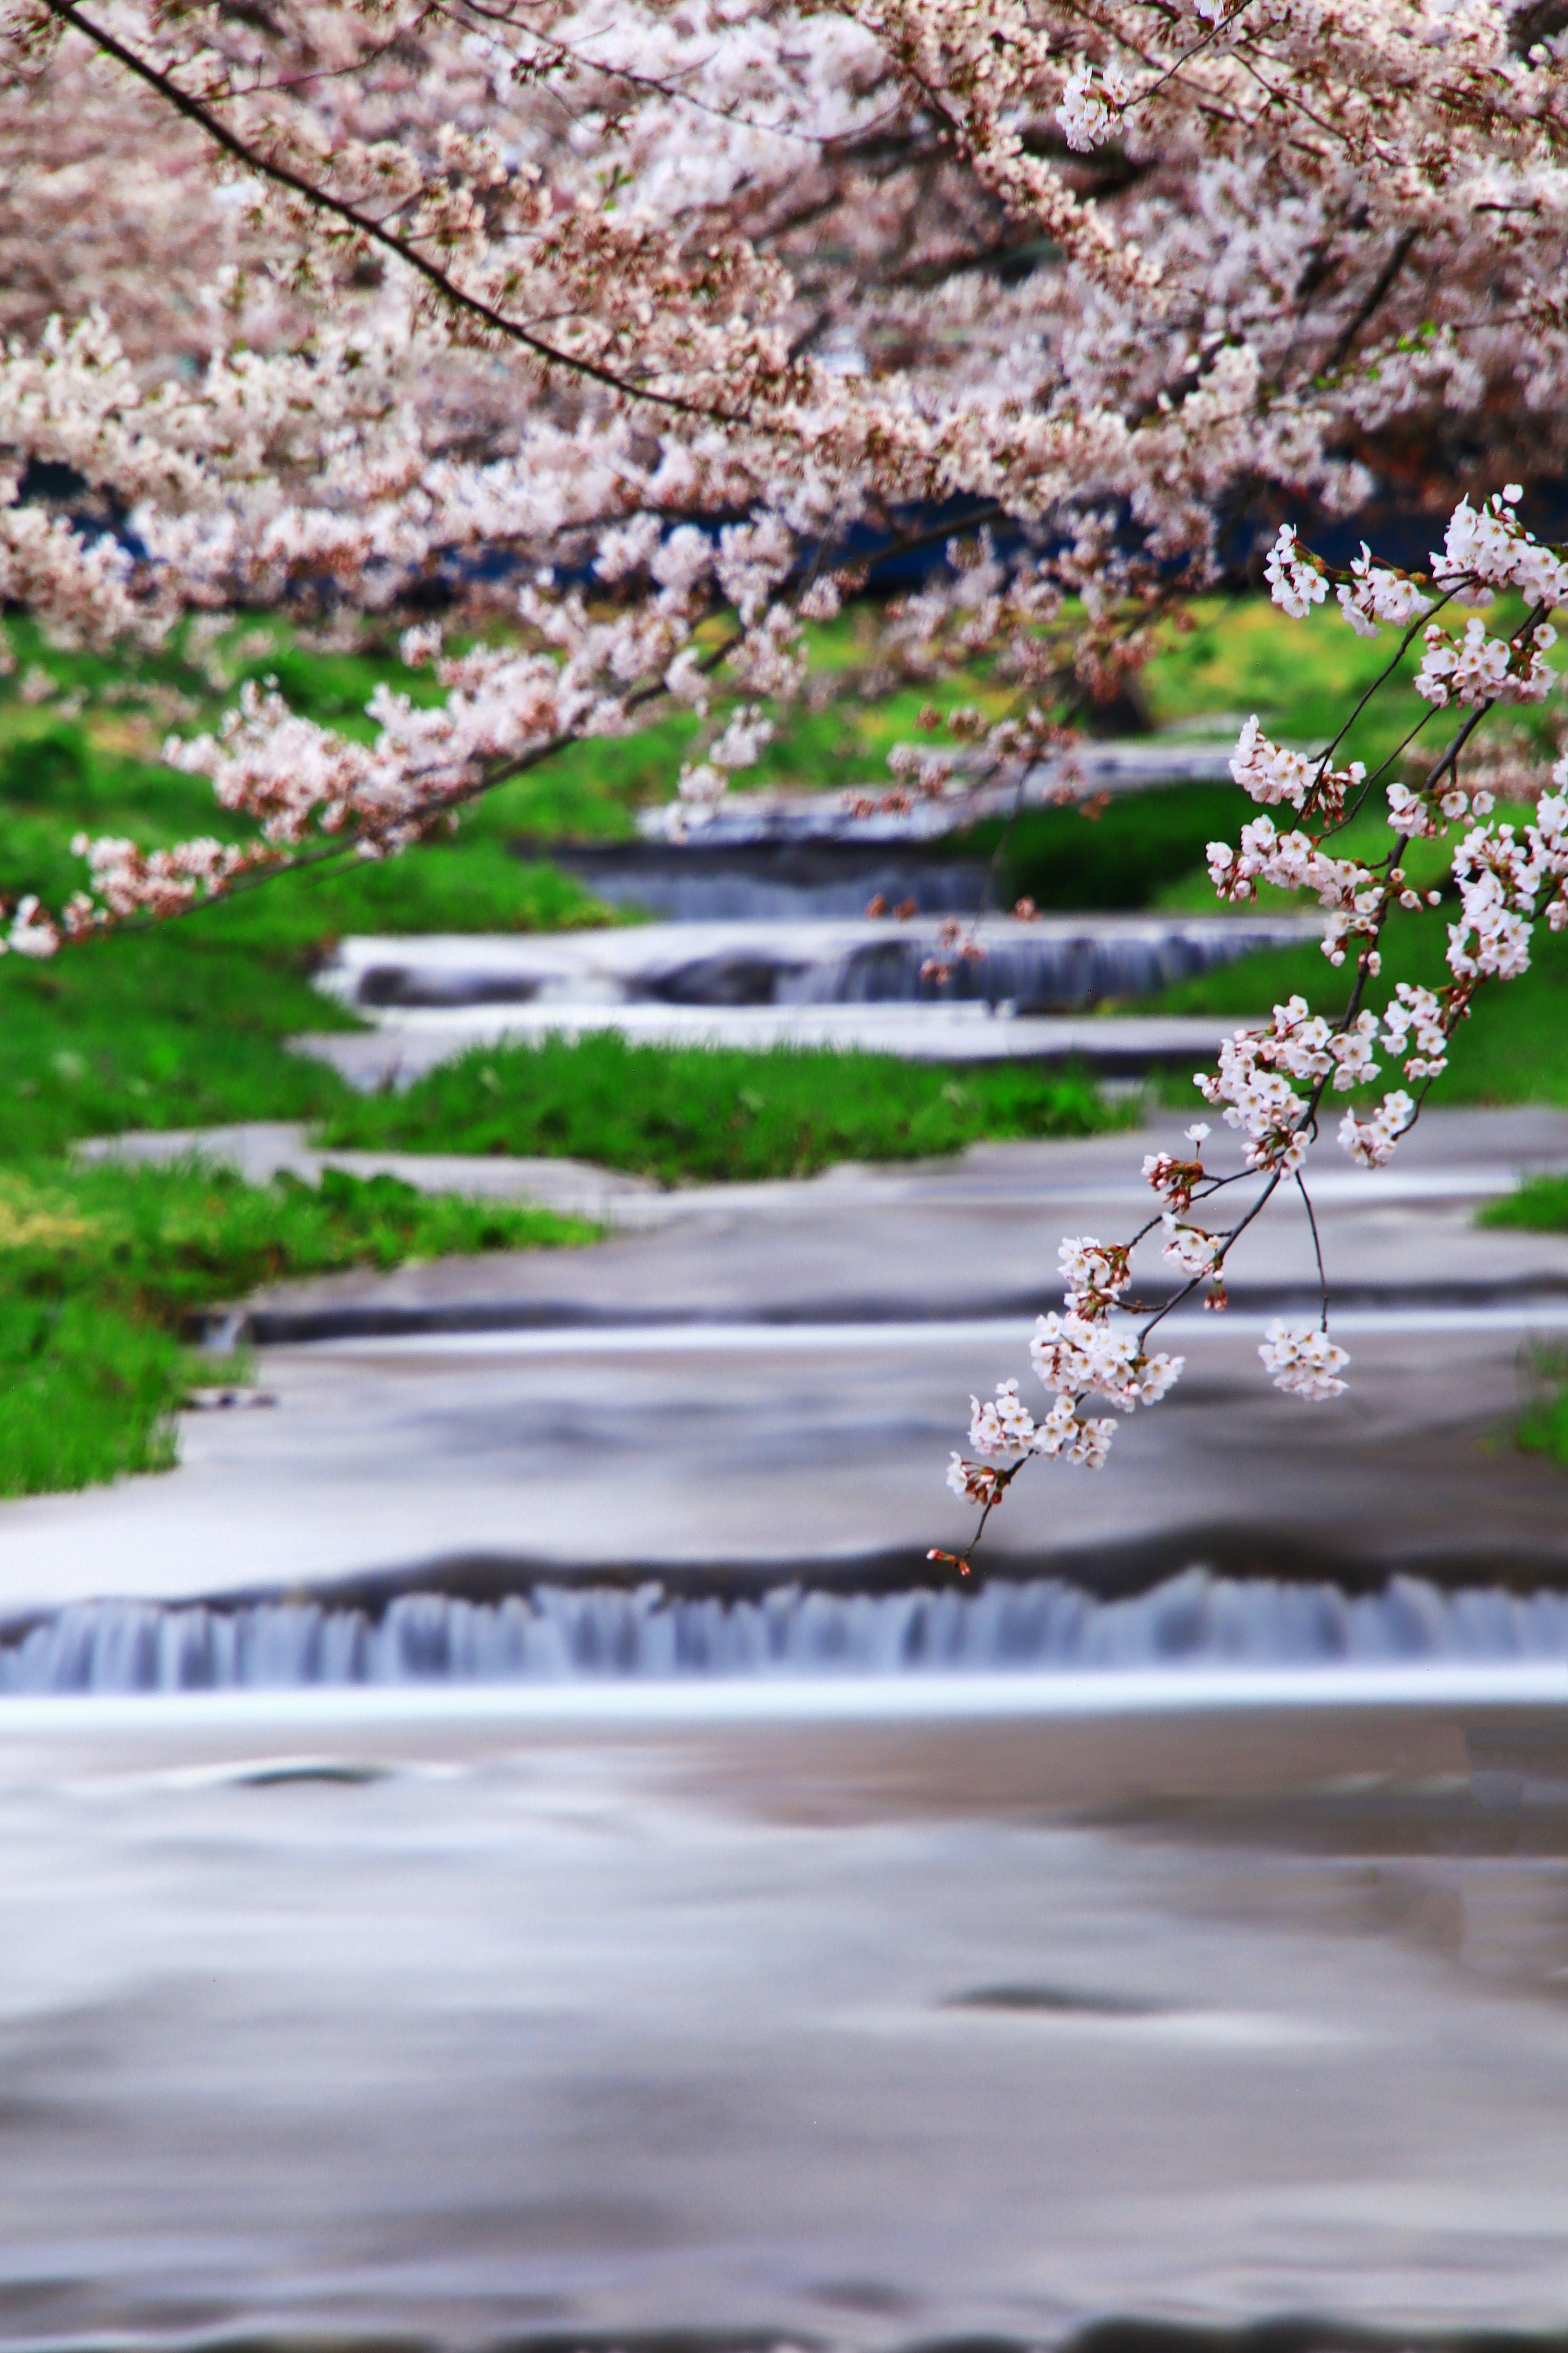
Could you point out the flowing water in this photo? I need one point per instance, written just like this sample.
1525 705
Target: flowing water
465 2035
559 1633
1058 965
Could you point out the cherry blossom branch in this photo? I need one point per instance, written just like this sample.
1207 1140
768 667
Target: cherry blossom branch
1500 879
321 200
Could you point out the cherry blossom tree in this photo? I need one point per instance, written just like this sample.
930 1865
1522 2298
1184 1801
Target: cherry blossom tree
671 302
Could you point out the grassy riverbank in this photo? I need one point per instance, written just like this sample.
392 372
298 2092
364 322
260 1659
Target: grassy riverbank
1543 1426
1540 1206
102 1269
707 1114
187 1025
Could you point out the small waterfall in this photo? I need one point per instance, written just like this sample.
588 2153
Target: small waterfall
1055 967
1044 975
559 1633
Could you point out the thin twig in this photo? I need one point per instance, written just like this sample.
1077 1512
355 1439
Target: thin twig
1372 302
1317 1246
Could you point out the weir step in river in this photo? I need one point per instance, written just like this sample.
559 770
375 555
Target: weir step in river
560 1633
1042 991
1059 963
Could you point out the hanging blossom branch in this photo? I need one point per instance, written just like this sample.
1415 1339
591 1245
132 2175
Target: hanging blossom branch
1271 1084
411 251
505 710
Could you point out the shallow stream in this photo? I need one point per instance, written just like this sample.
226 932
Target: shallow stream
557 1633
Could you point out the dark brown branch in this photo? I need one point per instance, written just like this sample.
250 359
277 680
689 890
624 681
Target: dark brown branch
1371 301
266 167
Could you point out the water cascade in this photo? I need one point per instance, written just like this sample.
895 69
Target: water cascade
1059 965
556 1634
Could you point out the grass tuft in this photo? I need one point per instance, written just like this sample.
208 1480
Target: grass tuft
1542 1427
103 1268
709 1114
86 1394
1540 1205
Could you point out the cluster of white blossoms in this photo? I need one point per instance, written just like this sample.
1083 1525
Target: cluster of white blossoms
1253 1084
1492 942
1078 1356
1370 595
1417 1012
1290 862
1375 597
1094 1275
1002 1425
1305 1363
129 880
1488 549
1005 1426
30 932
1370 1142
1189 1248
1272 772
1081 1356
1479 670
1091 104
1296 579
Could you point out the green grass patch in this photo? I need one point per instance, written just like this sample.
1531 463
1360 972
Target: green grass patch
707 1114
185 1024
102 1269
85 1395
1540 1205
1542 1427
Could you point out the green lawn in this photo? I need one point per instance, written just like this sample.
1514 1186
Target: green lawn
1540 1206
704 1114
102 1269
